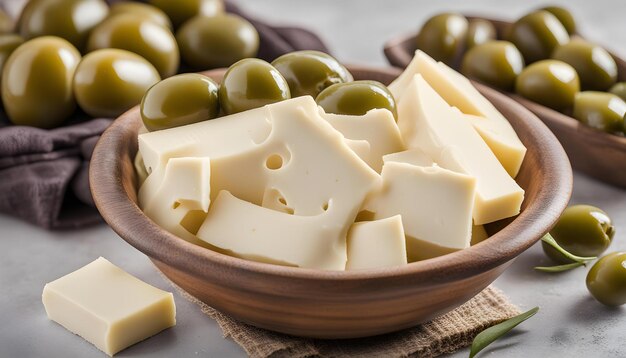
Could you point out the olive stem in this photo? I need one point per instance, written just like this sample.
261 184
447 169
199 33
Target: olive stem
548 239
559 268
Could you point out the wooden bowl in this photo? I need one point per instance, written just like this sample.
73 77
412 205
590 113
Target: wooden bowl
595 153
334 304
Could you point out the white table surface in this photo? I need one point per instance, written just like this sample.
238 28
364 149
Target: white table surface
570 322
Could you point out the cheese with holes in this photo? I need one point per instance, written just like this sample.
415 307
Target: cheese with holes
427 122
108 307
459 92
375 244
435 203
377 127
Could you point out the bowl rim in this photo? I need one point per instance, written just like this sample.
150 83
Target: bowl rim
129 222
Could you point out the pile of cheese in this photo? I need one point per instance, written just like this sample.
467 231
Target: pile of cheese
289 184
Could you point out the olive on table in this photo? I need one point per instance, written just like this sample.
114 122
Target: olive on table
551 83
310 72
606 281
217 41
144 37
564 16
37 82
480 31
109 82
8 44
68 19
7 25
496 63
582 230
180 100
356 98
179 11
141 10
537 34
600 110
251 83
443 36
596 68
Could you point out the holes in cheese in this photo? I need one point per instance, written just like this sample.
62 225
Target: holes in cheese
374 244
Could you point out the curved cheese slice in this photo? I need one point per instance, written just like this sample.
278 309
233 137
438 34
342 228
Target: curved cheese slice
375 244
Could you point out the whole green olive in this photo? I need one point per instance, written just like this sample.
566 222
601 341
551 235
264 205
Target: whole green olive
619 89
606 281
180 11
551 83
142 10
37 82
109 82
7 25
564 16
596 68
178 101
537 34
582 230
443 36
600 110
356 98
8 44
496 63
310 72
68 19
479 31
217 41
251 83
144 37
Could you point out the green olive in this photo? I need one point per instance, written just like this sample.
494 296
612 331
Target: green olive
251 83
564 16
496 63
596 68
178 101
7 25
551 83
606 281
582 230
109 82
8 44
179 11
619 89
443 36
144 37
356 98
141 10
537 34
37 82
600 110
310 72
217 41
480 31
69 19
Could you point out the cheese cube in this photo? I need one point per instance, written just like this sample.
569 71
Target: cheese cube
375 244
108 307
427 122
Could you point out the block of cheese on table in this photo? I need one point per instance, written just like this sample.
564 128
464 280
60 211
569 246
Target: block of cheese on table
375 244
108 307
435 203
377 127
427 122
459 92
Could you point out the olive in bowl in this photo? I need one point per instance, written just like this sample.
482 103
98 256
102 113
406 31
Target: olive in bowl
179 11
141 10
596 68
8 44
619 89
564 16
606 281
537 34
443 36
356 98
600 110
479 31
495 63
551 83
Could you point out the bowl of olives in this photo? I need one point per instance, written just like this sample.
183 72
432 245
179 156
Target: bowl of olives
573 85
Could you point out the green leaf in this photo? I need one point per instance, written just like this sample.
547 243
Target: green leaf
548 239
559 268
489 335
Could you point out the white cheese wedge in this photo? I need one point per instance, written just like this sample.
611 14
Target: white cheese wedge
108 307
361 148
427 122
459 92
435 203
378 127
256 233
375 244
413 156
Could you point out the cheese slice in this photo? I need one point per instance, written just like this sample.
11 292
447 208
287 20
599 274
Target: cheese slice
377 127
108 307
427 122
435 203
413 156
459 92
361 148
375 244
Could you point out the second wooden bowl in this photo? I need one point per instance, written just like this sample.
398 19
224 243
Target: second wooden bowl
595 153
334 304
